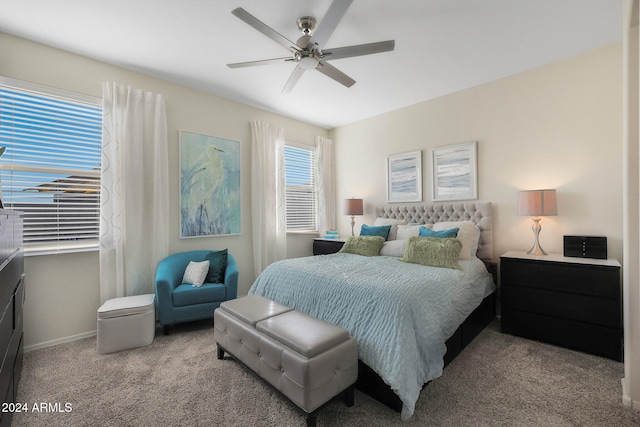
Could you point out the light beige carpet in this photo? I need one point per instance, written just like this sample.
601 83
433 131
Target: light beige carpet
499 380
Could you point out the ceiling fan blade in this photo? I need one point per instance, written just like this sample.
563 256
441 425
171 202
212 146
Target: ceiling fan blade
293 79
328 24
358 50
259 62
337 75
265 29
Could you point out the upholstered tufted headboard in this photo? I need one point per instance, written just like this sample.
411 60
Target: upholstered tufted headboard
478 212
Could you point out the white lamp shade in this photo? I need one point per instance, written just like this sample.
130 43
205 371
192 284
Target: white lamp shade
537 203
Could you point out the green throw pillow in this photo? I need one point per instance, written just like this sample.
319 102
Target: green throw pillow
217 266
363 245
433 251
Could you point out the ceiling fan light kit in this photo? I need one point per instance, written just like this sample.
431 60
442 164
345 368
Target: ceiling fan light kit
307 50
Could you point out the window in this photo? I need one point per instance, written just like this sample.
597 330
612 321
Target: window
300 194
50 169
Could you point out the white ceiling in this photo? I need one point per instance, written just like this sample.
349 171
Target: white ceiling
442 46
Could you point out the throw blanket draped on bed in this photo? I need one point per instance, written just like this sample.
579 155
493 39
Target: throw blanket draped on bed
401 314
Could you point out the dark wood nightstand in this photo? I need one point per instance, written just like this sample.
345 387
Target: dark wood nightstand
323 246
570 302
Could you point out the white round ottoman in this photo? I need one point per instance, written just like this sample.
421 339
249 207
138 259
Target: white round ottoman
125 323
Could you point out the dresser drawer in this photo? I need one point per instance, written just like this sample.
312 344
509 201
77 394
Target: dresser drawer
597 281
584 308
6 325
10 275
18 301
17 367
14 358
8 358
598 340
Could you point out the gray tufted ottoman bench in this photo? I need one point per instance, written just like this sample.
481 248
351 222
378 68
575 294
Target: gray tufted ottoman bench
308 360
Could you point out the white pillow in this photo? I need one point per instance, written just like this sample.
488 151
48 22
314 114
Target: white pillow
393 223
394 248
195 273
476 241
466 235
407 231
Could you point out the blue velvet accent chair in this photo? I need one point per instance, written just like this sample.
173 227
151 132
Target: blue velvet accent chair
178 302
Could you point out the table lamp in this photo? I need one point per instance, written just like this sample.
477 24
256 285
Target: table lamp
353 207
537 203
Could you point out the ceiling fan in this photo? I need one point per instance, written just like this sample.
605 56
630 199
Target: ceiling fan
308 51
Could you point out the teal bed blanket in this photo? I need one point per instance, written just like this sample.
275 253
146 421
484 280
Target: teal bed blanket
401 314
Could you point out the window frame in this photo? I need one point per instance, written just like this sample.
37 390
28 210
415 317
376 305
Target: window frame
313 150
57 246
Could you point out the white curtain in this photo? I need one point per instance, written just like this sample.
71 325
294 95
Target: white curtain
267 194
326 187
134 203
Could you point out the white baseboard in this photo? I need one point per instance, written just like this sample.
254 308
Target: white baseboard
59 341
633 404
69 339
626 400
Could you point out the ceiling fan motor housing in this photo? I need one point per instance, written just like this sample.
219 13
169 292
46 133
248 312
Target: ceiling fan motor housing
307 24
303 42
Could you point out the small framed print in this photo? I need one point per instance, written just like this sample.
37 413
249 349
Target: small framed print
404 177
455 175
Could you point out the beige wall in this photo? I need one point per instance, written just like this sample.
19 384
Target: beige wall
557 126
63 293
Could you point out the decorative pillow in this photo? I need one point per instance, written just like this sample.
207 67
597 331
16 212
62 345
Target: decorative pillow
195 273
363 245
442 234
394 223
217 265
409 230
433 251
370 230
394 248
466 235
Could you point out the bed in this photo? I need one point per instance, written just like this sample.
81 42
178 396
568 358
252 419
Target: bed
409 319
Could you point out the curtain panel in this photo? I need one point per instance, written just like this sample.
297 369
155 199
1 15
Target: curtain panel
267 194
134 202
326 187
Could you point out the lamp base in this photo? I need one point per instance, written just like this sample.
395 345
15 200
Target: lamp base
536 249
353 223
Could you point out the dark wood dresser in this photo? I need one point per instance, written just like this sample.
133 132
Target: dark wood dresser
12 285
570 302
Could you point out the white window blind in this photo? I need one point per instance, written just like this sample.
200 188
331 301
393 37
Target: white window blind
51 167
300 195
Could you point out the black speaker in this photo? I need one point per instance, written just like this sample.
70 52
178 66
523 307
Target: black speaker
585 246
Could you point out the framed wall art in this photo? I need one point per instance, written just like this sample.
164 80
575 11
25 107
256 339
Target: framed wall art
404 177
454 172
209 185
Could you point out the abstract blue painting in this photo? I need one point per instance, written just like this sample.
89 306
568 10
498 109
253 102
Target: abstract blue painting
209 185
404 177
454 172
